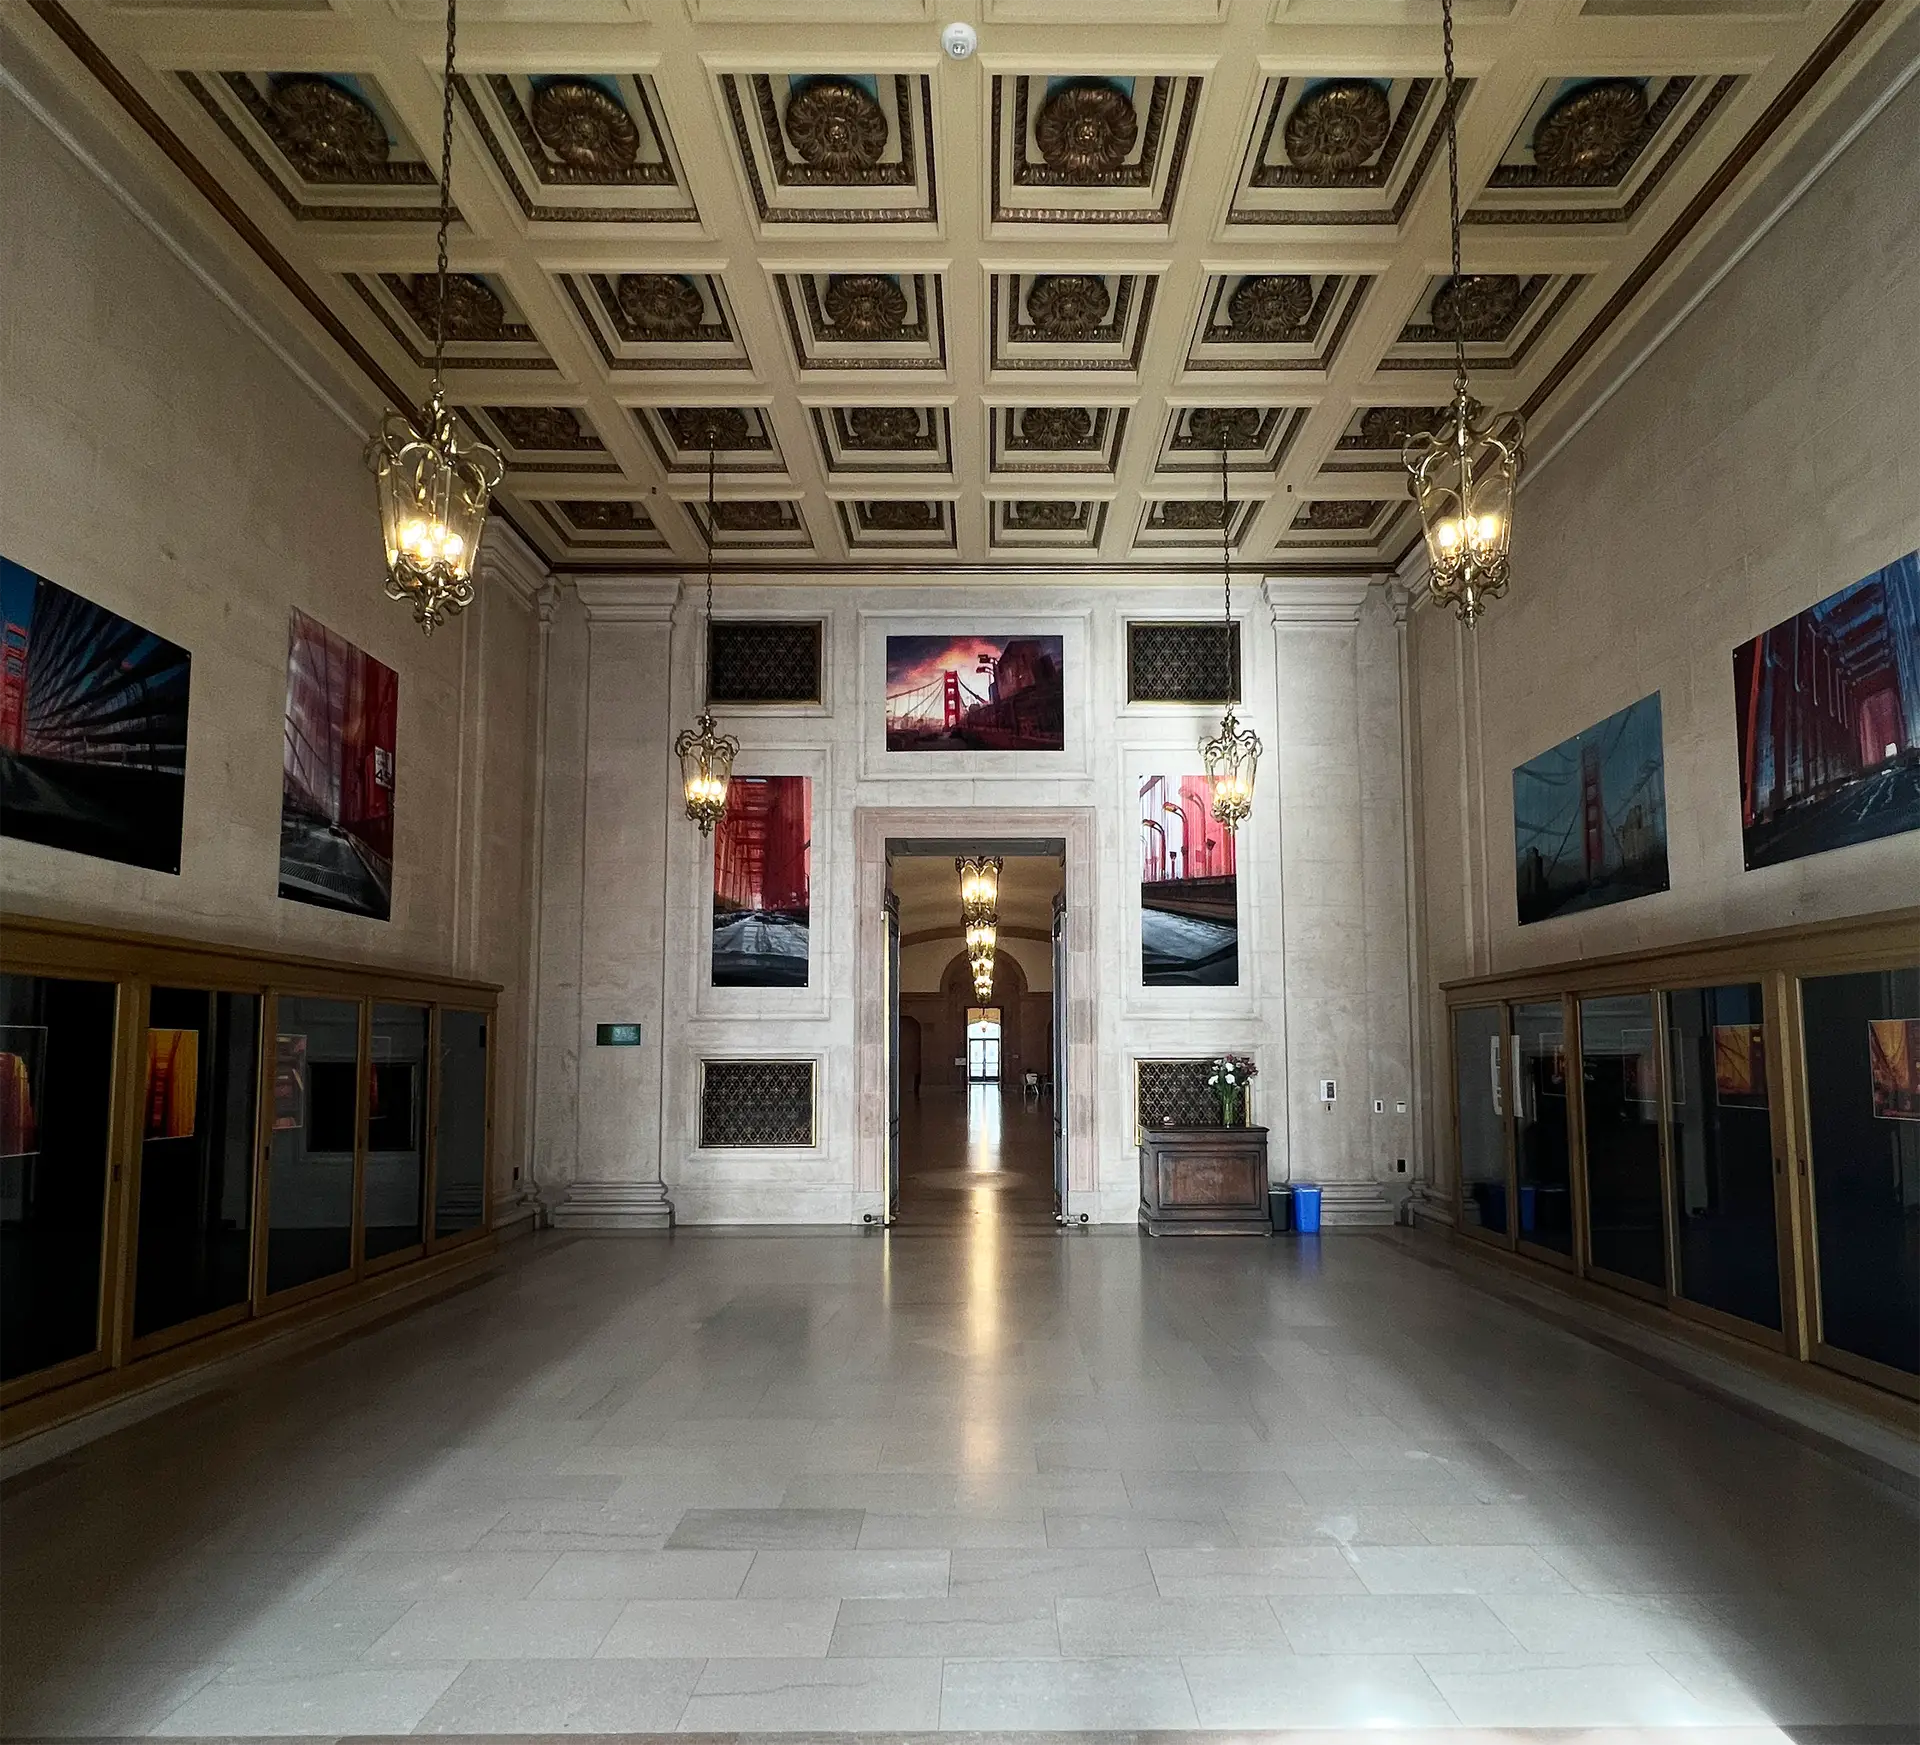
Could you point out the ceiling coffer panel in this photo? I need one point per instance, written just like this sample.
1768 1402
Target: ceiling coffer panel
331 146
601 526
884 439
897 523
484 327
657 321
542 439
834 148
1255 439
865 320
752 524
1070 441
1193 523
1273 321
1344 523
1070 321
1375 439
1047 524
1339 149
1594 150
1085 149
741 439
1500 317
580 148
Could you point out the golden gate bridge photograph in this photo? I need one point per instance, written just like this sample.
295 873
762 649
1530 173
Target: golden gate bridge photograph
974 693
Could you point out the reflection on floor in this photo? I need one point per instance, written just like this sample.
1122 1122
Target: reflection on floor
992 1478
978 1153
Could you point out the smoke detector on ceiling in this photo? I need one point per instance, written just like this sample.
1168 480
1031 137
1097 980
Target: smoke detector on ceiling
959 40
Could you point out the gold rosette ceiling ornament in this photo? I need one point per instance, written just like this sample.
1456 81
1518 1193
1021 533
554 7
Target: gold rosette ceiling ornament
433 487
1464 472
706 755
1231 756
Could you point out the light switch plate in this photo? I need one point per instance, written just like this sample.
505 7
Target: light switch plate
1326 1090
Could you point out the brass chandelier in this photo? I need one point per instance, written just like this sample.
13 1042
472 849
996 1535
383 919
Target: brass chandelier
980 916
706 755
434 488
1464 473
1232 755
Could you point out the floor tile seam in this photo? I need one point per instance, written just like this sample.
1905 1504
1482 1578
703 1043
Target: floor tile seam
1675 1369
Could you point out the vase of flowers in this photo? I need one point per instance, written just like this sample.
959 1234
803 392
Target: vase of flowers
1228 1079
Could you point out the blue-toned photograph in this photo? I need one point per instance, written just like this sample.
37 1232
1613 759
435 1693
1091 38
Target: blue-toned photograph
93 727
1590 817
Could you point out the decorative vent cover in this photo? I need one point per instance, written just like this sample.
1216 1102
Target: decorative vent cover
756 1102
1183 663
763 662
1174 1093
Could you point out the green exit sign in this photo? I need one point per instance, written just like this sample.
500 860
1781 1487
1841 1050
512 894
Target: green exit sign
617 1035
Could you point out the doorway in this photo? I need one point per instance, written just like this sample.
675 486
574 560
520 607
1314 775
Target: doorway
974 1138
983 1045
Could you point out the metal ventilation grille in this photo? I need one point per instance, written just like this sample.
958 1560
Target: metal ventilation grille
1183 663
756 1102
763 662
1174 1093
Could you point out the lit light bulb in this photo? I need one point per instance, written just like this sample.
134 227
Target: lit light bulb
1489 529
452 546
1448 533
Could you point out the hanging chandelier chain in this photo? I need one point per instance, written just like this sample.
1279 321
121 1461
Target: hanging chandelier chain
710 532
1226 543
446 203
1453 185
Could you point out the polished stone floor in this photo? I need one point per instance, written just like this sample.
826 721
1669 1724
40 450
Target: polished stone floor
991 1477
975 1154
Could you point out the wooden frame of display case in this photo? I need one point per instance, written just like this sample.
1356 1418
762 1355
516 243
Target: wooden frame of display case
135 964
1778 961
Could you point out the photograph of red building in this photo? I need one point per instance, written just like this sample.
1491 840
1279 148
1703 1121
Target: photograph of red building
1189 889
762 877
1828 719
337 774
93 726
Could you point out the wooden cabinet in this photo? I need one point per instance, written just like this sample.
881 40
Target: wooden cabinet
1204 1181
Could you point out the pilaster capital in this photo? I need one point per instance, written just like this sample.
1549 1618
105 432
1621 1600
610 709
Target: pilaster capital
506 560
1330 600
628 599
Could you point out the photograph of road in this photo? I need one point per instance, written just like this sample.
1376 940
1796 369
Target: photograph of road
974 693
337 774
1189 891
93 727
1828 720
1590 817
762 874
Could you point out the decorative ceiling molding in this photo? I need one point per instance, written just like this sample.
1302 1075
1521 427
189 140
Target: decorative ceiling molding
1063 370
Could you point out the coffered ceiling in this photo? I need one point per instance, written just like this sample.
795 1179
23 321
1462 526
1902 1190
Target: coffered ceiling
1006 310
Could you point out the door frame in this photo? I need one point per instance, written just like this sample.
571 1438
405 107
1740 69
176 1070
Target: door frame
873 828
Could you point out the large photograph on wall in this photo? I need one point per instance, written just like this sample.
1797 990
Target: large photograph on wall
762 883
337 774
974 693
1827 716
1590 817
1189 891
93 727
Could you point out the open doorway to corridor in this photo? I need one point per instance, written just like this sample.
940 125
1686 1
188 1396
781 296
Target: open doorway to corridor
974 1132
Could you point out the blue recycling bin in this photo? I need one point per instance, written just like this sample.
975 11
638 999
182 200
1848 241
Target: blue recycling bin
1306 1209
1529 1210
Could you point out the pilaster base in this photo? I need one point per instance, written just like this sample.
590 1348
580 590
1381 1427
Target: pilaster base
518 1213
1425 1207
1352 1204
593 1205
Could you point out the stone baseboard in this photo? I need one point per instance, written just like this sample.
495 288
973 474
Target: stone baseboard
1348 1205
591 1205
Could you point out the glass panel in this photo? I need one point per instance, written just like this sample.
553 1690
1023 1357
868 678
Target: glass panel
1540 1126
56 1100
396 1176
201 1081
1625 1232
460 1133
316 1085
1482 1119
1863 1111
1723 1152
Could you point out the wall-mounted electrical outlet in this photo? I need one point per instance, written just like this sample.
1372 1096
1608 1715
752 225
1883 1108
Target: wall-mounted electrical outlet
1379 1105
1400 1163
1326 1090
